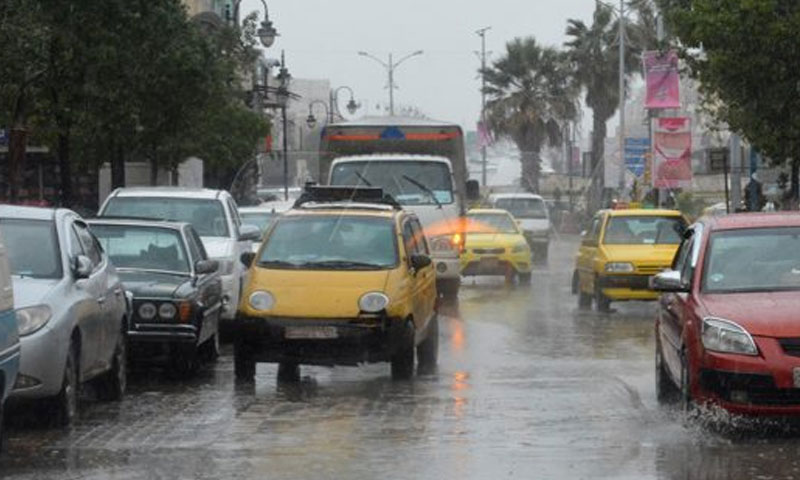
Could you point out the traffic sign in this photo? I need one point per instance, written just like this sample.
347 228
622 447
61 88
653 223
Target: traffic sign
717 160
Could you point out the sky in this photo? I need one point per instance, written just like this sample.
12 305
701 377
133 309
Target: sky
321 39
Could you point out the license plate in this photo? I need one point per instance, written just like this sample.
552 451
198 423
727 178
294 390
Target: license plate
490 262
796 375
311 333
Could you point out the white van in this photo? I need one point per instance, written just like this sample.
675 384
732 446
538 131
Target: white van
531 212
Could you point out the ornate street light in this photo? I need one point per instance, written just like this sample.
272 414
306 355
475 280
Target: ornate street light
267 32
311 120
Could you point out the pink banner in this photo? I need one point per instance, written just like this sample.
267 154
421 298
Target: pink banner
672 146
663 80
484 136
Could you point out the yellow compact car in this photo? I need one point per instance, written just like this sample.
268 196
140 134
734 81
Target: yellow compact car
619 253
495 245
344 278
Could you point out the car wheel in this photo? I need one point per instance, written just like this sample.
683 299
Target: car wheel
428 350
666 390
66 402
210 349
525 278
448 289
602 302
288 372
244 366
685 392
112 385
403 359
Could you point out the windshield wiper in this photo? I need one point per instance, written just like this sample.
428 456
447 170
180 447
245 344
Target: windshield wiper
279 264
151 270
424 188
363 179
343 264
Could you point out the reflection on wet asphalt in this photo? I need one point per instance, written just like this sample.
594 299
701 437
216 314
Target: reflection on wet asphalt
527 387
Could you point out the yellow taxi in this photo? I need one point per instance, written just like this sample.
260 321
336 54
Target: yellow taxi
344 278
619 253
495 245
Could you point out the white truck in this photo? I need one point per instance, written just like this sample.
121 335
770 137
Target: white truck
421 163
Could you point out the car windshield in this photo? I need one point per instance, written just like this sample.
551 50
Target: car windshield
644 230
33 249
331 242
262 220
523 207
753 260
143 248
409 182
491 223
206 216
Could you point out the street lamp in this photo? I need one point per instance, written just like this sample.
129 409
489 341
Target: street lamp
283 95
311 121
351 106
267 32
390 67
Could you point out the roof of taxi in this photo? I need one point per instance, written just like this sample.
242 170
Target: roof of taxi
752 220
644 212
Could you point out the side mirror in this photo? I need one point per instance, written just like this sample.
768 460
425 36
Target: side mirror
204 267
247 258
81 267
668 281
418 262
249 233
473 190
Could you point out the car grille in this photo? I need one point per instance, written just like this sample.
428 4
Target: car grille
760 388
489 251
791 346
650 269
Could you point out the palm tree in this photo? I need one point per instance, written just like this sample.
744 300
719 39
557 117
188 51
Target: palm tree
530 95
594 52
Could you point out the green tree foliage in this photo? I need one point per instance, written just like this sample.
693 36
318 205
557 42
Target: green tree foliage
530 97
746 56
125 80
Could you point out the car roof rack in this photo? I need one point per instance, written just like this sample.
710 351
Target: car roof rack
349 195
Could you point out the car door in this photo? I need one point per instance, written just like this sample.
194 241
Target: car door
673 309
414 278
426 278
242 246
90 294
587 253
209 288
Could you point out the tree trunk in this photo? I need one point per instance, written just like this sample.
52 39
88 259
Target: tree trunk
65 168
597 168
17 146
530 168
117 167
795 183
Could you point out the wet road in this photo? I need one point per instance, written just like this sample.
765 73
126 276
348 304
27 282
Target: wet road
527 387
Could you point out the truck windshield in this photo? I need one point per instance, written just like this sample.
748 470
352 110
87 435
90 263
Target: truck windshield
393 177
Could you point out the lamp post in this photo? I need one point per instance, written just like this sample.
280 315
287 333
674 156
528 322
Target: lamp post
283 96
311 121
482 33
351 106
266 32
390 67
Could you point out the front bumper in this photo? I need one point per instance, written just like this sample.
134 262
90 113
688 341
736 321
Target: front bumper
627 287
447 266
361 340
473 264
762 385
41 367
163 333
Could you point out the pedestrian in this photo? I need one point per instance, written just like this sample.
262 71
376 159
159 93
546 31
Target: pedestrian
754 194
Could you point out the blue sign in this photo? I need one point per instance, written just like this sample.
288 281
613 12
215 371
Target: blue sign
3 136
636 151
393 133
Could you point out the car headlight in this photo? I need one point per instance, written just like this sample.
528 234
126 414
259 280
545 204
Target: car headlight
521 248
262 301
167 311
445 243
620 267
725 336
147 311
31 319
373 302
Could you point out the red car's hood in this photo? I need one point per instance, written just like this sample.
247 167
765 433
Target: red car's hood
767 314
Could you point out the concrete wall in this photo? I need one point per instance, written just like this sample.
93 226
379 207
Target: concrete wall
137 174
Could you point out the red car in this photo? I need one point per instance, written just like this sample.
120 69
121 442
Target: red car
728 325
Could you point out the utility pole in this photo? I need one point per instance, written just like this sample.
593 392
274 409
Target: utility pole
391 85
621 98
390 68
482 33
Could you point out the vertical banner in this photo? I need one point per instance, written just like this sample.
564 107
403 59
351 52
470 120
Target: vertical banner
672 161
663 80
636 150
484 136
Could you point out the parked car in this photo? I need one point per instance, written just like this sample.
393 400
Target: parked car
534 217
619 253
263 216
495 245
344 279
176 291
9 335
726 331
212 213
70 306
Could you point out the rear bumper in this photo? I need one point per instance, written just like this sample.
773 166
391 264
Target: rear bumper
357 340
446 266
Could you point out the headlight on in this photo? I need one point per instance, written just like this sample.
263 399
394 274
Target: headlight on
619 267
31 319
261 301
167 311
521 248
443 243
373 302
147 311
725 336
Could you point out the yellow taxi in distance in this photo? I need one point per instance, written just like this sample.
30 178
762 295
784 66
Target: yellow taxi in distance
344 278
495 245
619 253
